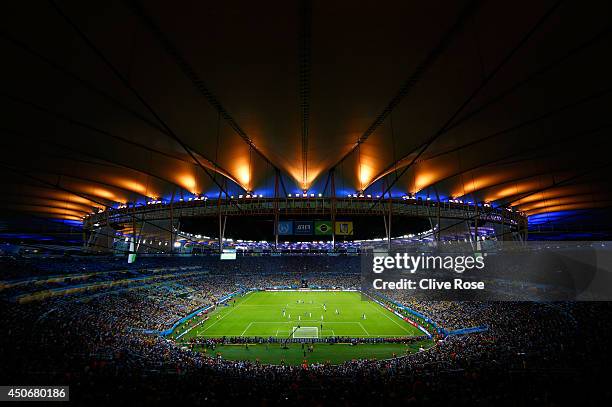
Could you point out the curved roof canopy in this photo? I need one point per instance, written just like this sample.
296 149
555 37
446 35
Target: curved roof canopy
126 101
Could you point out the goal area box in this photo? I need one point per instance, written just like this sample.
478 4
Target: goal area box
305 332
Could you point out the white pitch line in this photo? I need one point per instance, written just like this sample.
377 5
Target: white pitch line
341 322
393 320
333 334
257 305
247 298
213 324
246 329
327 330
364 330
306 320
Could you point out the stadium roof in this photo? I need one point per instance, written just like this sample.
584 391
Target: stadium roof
127 100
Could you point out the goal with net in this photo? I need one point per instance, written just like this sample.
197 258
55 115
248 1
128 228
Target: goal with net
305 332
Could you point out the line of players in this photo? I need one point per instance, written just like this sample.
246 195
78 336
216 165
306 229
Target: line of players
285 314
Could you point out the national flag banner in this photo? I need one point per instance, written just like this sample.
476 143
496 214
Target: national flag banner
344 228
285 227
323 227
303 227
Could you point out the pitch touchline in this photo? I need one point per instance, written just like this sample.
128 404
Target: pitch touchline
327 323
232 310
325 330
392 320
214 323
306 320
364 330
246 329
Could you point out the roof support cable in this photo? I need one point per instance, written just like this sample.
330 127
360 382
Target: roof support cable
524 40
418 73
305 16
124 81
138 9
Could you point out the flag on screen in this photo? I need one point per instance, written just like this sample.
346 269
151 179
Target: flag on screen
344 228
323 227
285 227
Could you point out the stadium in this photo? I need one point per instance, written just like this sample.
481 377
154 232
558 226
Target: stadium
306 202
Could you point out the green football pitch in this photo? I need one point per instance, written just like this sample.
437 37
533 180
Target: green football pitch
301 314
306 315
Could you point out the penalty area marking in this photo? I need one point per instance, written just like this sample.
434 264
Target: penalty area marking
364 330
288 331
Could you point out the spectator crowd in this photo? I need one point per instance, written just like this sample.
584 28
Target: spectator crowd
532 351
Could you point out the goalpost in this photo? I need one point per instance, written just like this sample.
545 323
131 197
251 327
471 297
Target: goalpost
305 332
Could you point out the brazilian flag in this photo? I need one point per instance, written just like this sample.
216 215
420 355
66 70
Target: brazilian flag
323 227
